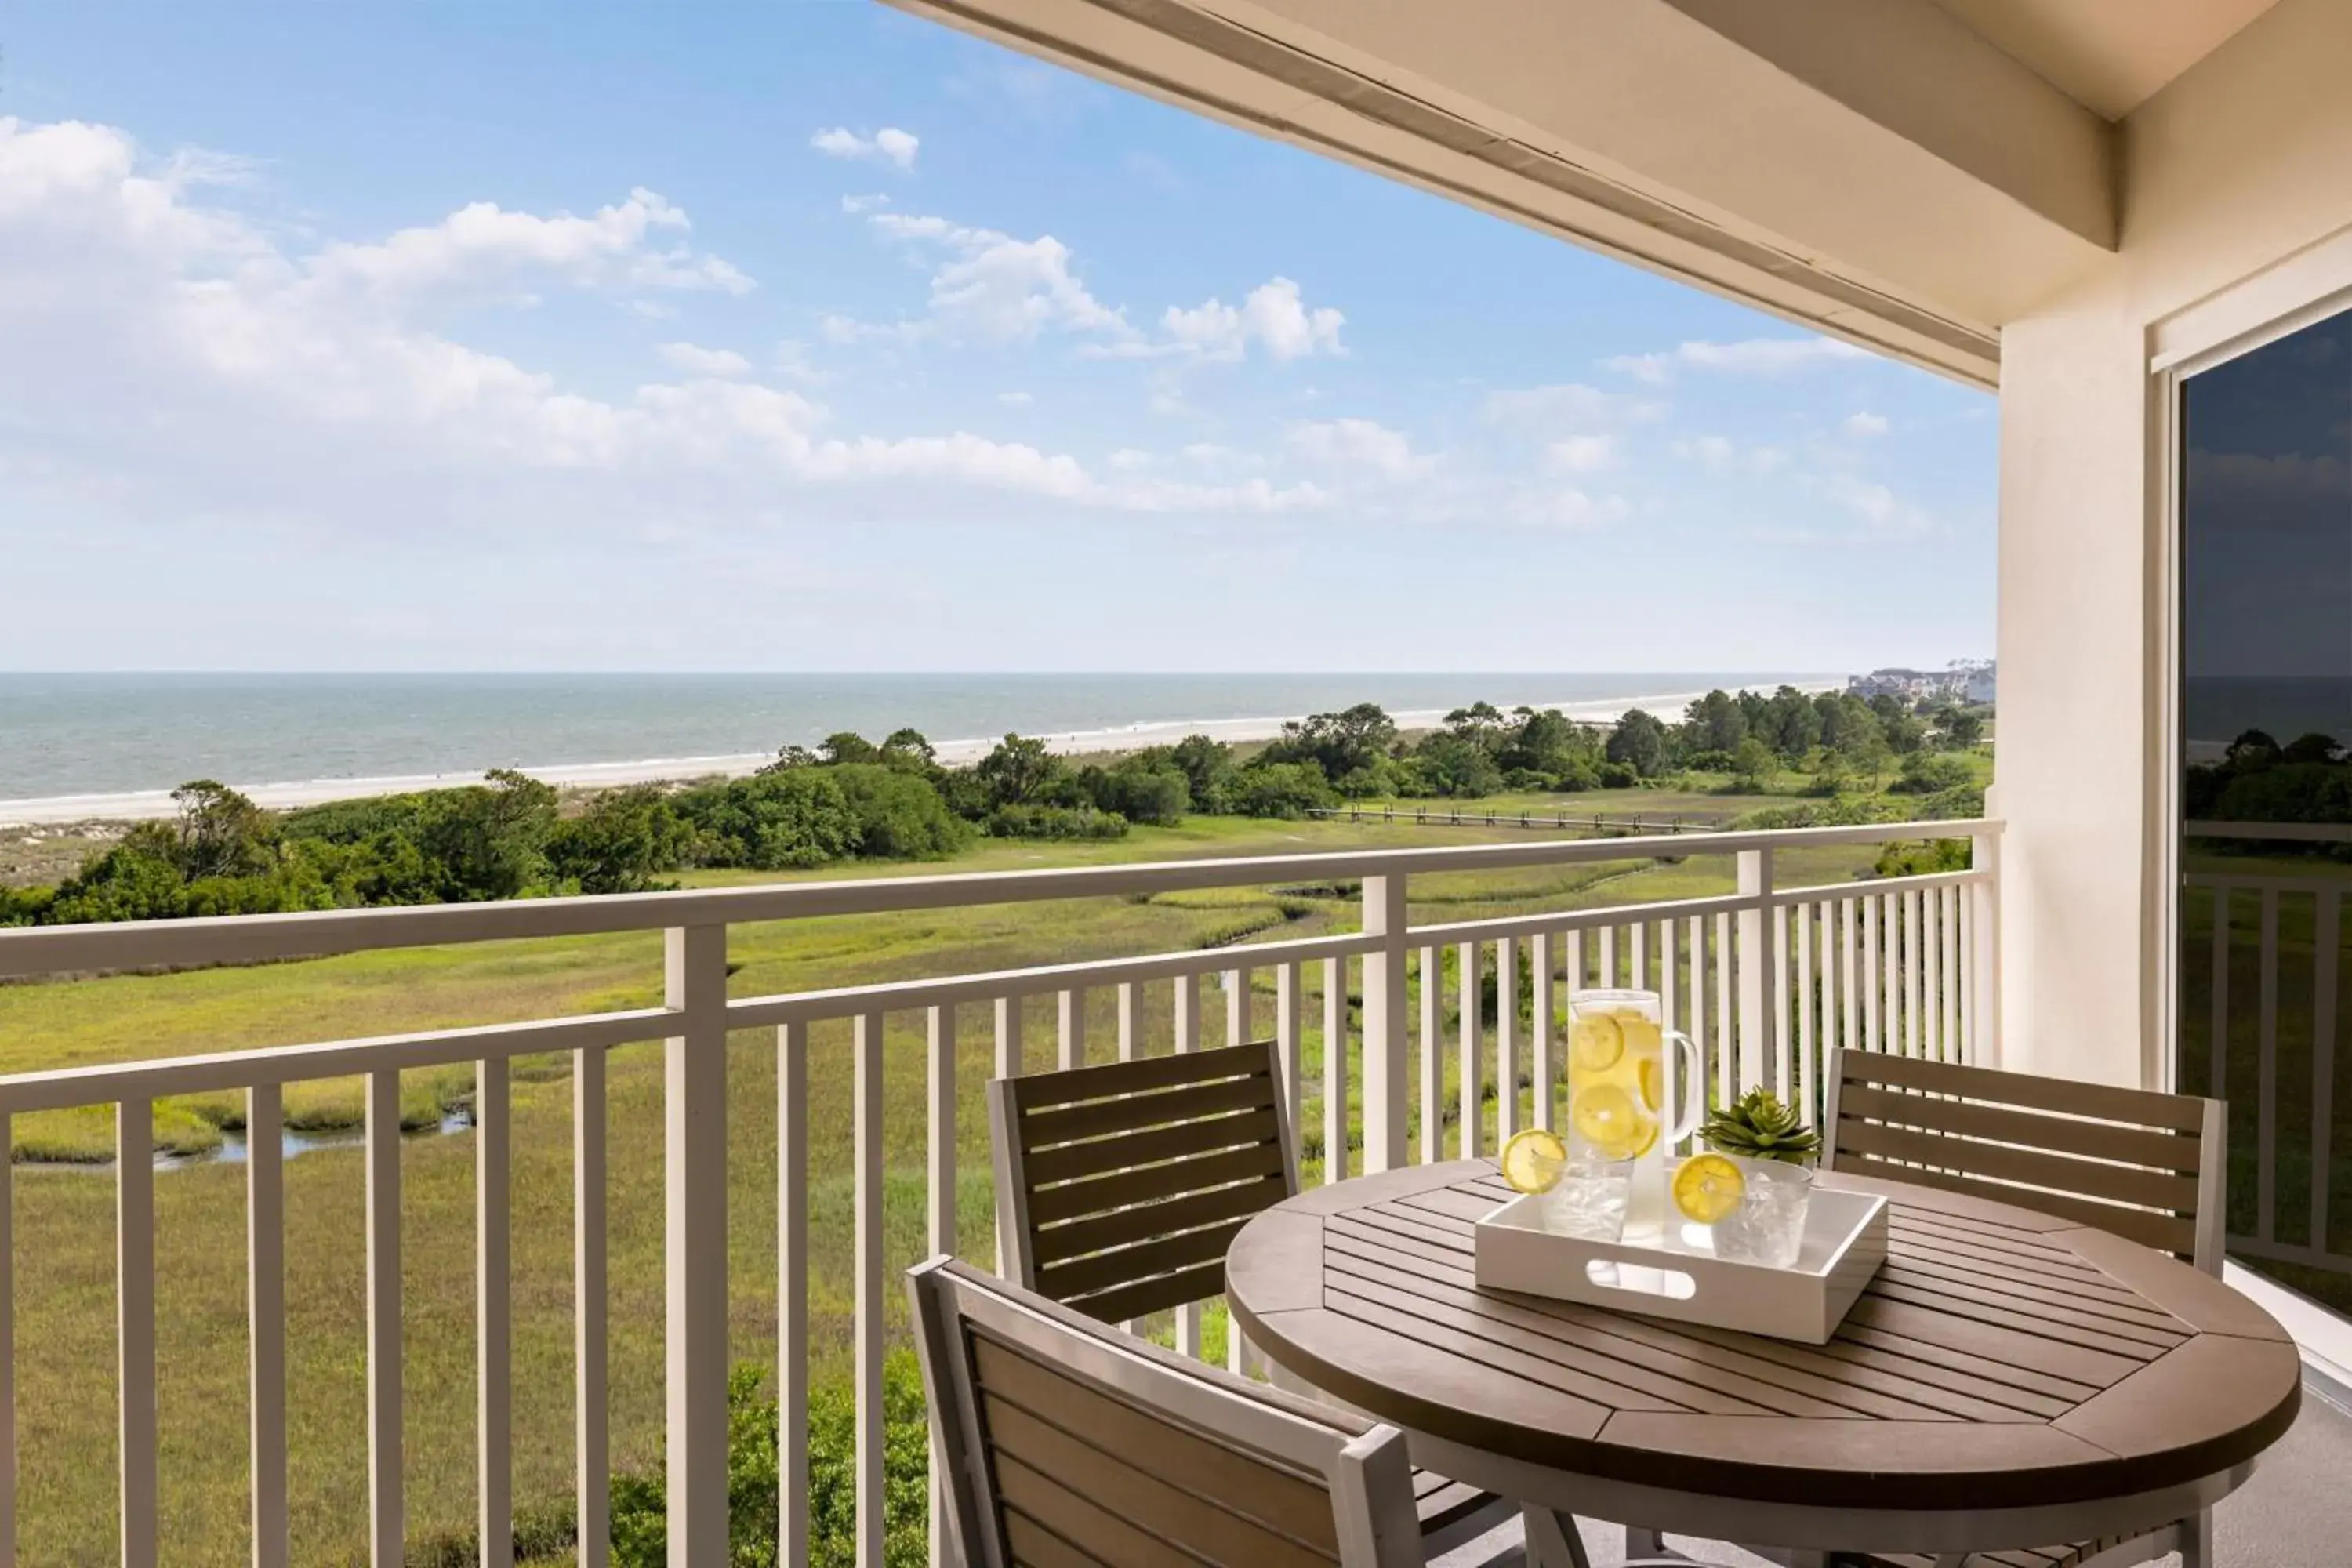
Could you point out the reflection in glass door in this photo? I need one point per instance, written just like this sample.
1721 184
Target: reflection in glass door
2265 997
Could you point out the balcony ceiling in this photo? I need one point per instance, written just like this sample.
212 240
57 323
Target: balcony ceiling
2110 56
1907 175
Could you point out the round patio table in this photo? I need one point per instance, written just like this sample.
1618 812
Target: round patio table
2008 1379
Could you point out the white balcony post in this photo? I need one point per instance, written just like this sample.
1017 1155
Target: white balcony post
1760 1018
695 1236
1387 1073
1984 856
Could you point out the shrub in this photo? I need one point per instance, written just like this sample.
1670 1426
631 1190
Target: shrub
1287 790
1055 822
1617 776
1933 772
899 814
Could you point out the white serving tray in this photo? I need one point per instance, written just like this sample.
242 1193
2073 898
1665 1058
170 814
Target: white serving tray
1677 1275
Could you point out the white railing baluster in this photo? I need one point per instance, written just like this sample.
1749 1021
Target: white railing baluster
1758 1021
1335 1070
1070 1031
264 1299
8 1350
2266 1071
1237 1006
1698 1027
2218 1089
134 1307
1288 1040
1576 970
1008 1064
694 1232
1874 975
1728 1021
2326 931
791 1291
1130 1023
1849 985
590 1246
1539 964
1608 958
1807 998
1984 900
1782 1079
1914 967
1931 943
1386 1078
387 1516
1432 1057
870 1285
940 1208
1472 1107
1955 1048
493 1323
1638 940
1506 1053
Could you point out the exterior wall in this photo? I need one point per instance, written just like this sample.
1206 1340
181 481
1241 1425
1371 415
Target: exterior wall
2235 167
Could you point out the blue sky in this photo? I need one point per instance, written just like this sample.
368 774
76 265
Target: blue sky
807 336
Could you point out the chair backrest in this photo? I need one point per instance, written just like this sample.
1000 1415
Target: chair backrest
1119 1187
1062 1440
2146 1165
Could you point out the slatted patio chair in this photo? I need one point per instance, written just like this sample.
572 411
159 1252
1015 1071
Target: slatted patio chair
1064 1442
2144 1165
1119 1188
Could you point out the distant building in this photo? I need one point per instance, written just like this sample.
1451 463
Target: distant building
1966 680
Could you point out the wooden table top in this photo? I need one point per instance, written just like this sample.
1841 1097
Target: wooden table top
2001 1359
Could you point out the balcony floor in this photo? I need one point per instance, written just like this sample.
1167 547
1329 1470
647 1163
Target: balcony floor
2296 1509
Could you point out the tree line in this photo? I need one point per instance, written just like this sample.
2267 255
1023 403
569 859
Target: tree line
854 799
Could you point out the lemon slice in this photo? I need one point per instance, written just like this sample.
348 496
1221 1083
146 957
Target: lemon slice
1653 1083
1606 1118
1647 1140
1708 1188
1595 1043
1532 1160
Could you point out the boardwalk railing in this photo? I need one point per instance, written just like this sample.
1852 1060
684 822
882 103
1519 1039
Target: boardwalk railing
1769 978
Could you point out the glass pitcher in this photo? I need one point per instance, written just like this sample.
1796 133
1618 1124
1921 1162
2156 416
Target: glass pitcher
1619 1088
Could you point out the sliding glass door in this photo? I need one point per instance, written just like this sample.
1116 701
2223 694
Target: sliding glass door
2264 973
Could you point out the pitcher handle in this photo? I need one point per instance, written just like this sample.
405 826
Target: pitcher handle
1691 1080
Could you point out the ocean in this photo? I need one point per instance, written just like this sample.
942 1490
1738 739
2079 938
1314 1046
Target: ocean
80 735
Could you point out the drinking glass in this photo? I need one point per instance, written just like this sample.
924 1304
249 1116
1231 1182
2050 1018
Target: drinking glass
1769 1225
1591 1197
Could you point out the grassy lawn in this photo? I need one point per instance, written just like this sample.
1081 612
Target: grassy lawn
63 1215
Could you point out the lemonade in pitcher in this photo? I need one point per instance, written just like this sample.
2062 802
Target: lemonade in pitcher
1617 1088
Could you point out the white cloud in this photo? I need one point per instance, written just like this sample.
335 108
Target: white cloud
1582 454
866 204
1015 399
1568 408
1752 356
1569 508
1721 454
1864 425
1885 515
1357 445
1130 459
173 364
692 359
482 249
887 145
1273 316
988 287
792 360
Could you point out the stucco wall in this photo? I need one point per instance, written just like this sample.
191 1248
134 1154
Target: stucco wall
2243 161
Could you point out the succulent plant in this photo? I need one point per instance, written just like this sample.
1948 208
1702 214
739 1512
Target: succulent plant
1758 1127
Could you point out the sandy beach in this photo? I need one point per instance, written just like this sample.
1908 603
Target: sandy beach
133 805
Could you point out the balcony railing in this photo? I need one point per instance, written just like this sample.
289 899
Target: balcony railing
1768 978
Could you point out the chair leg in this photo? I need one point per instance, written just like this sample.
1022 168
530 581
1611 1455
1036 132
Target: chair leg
1552 1539
1641 1542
